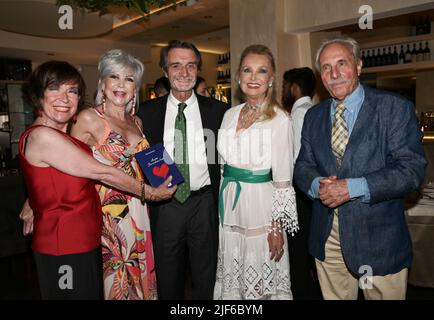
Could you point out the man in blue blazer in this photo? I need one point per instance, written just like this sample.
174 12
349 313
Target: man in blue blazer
361 153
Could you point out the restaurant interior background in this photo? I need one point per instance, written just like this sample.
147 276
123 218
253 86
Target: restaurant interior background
221 29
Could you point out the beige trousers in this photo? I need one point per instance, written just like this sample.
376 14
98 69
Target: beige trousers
338 283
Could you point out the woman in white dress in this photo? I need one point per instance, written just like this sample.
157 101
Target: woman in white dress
257 202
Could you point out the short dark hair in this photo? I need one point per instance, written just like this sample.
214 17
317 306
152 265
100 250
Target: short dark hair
162 84
174 44
52 73
304 78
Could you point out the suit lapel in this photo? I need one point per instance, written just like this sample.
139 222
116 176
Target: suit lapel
364 118
205 108
160 119
327 139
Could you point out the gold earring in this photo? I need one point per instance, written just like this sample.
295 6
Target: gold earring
103 101
133 109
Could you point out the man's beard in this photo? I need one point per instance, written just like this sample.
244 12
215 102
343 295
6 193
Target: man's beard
288 101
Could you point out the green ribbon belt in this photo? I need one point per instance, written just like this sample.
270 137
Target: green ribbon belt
237 175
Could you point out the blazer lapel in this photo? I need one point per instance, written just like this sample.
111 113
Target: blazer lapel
331 164
363 120
205 109
160 119
206 113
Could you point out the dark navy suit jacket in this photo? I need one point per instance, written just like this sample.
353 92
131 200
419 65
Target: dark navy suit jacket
384 147
153 114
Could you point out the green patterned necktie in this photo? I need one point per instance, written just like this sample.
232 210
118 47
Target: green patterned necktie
181 154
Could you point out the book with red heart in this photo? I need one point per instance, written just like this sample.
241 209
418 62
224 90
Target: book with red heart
157 165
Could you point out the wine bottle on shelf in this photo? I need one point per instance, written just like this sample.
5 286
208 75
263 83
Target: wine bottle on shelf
383 57
363 58
407 55
378 58
426 52
401 57
414 53
395 56
388 57
419 53
369 59
374 58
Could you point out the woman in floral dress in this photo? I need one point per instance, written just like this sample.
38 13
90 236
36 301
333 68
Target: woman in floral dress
114 134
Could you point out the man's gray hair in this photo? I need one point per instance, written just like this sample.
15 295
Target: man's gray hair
114 61
350 43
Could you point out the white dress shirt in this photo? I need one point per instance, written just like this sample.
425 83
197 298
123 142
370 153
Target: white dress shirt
298 112
199 175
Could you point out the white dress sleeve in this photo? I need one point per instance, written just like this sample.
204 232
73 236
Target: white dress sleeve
284 207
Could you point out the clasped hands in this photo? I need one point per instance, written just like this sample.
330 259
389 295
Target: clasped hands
333 192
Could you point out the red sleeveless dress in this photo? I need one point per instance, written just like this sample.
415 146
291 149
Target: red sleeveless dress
67 209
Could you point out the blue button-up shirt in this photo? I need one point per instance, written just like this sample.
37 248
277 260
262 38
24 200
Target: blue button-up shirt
357 187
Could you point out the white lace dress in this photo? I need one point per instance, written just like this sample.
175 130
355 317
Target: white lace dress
244 269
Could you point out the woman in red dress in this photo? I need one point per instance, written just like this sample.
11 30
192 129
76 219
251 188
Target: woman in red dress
60 171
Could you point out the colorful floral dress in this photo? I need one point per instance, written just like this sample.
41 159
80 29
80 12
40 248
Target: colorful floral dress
127 254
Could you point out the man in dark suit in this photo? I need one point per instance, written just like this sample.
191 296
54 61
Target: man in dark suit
187 125
361 153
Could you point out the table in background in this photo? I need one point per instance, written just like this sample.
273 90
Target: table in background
420 220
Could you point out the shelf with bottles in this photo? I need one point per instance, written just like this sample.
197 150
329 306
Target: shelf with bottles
224 77
224 69
401 54
406 67
396 41
224 59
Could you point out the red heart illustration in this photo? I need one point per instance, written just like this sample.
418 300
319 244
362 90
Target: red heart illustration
161 171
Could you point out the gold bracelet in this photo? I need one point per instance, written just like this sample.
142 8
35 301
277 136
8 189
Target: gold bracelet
142 191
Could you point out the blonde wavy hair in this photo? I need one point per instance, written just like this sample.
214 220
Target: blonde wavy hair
270 103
